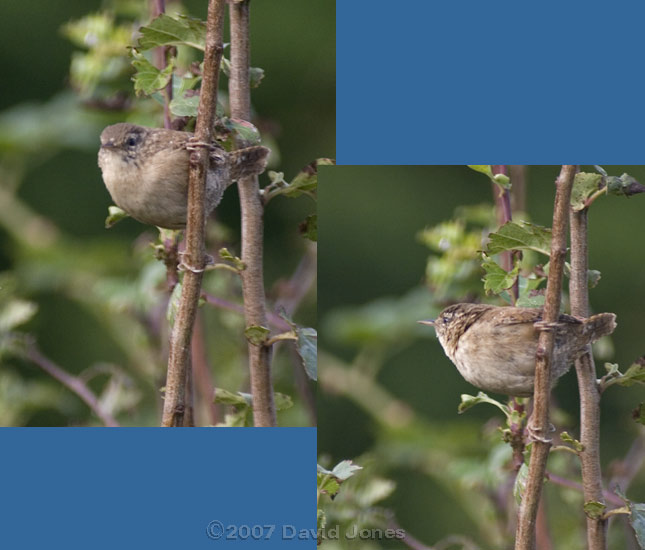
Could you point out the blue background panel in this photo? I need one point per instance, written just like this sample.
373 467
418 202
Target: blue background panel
468 82
157 488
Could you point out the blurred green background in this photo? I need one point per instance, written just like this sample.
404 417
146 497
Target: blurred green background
388 396
95 289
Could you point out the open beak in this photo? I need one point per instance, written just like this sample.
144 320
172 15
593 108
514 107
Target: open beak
427 322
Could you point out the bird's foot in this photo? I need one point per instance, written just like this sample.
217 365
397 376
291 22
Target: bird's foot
185 266
537 434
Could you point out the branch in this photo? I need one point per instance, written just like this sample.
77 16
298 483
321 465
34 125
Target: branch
180 339
587 386
252 228
73 383
525 539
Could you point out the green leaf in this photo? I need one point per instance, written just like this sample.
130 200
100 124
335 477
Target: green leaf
307 345
115 215
305 182
237 262
520 483
309 227
148 78
185 105
530 296
16 312
579 447
256 334
584 185
612 369
637 521
593 277
520 236
173 304
497 279
594 509
282 401
165 30
468 401
237 133
482 168
342 471
502 180
635 374
328 485
256 74
624 185
481 215
237 399
237 419
636 516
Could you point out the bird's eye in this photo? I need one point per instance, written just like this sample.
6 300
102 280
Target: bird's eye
131 141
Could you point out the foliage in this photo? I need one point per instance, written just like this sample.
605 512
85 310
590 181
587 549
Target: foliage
98 304
464 472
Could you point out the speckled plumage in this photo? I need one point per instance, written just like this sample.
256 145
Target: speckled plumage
146 172
494 347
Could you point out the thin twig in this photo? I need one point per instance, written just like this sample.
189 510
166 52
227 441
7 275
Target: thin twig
161 57
505 215
525 538
564 482
73 383
517 173
278 322
194 258
252 224
629 467
587 386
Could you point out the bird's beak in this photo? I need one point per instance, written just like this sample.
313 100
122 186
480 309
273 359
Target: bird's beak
107 145
427 322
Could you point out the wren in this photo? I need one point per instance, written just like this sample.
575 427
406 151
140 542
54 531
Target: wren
146 171
494 348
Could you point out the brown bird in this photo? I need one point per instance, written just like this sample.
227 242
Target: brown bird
146 171
494 348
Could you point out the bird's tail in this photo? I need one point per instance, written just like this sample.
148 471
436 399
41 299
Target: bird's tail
248 161
600 325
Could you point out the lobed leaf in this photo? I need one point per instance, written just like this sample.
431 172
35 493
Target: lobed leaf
148 79
166 30
496 278
584 185
520 236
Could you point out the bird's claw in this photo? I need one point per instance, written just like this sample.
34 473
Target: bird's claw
536 434
184 266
